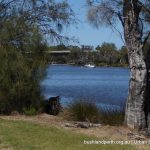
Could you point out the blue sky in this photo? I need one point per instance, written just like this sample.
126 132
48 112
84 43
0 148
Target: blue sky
86 33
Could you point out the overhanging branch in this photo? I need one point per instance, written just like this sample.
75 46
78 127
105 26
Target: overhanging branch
144 7
120 18
146 39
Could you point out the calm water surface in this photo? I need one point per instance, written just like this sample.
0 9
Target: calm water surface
103 85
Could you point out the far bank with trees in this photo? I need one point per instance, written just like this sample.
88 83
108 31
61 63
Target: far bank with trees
105 54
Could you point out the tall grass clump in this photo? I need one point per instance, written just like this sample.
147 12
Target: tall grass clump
82 110
112 116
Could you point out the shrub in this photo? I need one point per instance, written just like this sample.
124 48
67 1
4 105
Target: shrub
5 107
20 77
83 111
30 111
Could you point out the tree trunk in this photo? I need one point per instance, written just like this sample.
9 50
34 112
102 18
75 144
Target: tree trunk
147 100
135 114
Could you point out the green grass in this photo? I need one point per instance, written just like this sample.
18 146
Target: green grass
28 136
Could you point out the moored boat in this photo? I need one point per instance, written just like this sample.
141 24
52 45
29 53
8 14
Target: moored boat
89 66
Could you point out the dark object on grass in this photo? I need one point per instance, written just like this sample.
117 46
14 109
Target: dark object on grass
53 106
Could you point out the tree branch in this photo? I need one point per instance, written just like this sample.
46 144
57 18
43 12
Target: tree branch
146 39
120 18
144 7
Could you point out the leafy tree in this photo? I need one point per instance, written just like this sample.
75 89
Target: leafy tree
133 16
98 47
77 56
61 47
22 45
22 68
124 55
108 53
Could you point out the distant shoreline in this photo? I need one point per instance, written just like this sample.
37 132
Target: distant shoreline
100 65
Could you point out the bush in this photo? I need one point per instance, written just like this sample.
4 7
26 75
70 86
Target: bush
83 111
5 107
20 84
31 111
20 75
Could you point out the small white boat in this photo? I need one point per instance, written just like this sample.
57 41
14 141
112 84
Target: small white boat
89 66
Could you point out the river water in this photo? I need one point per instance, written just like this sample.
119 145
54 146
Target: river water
106 86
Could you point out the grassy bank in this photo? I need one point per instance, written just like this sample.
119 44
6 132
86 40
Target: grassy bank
19 135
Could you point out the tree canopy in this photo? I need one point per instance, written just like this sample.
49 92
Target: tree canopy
111 12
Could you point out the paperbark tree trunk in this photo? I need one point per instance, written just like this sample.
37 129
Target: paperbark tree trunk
135 116
147 100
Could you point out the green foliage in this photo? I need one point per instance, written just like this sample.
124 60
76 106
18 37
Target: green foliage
5 106
30 111
124 55
107 47
107 53
57 48
20 81
61 47
22 46
76 56
22 65
83 111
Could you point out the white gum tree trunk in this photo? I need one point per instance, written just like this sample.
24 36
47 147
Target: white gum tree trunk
135 114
